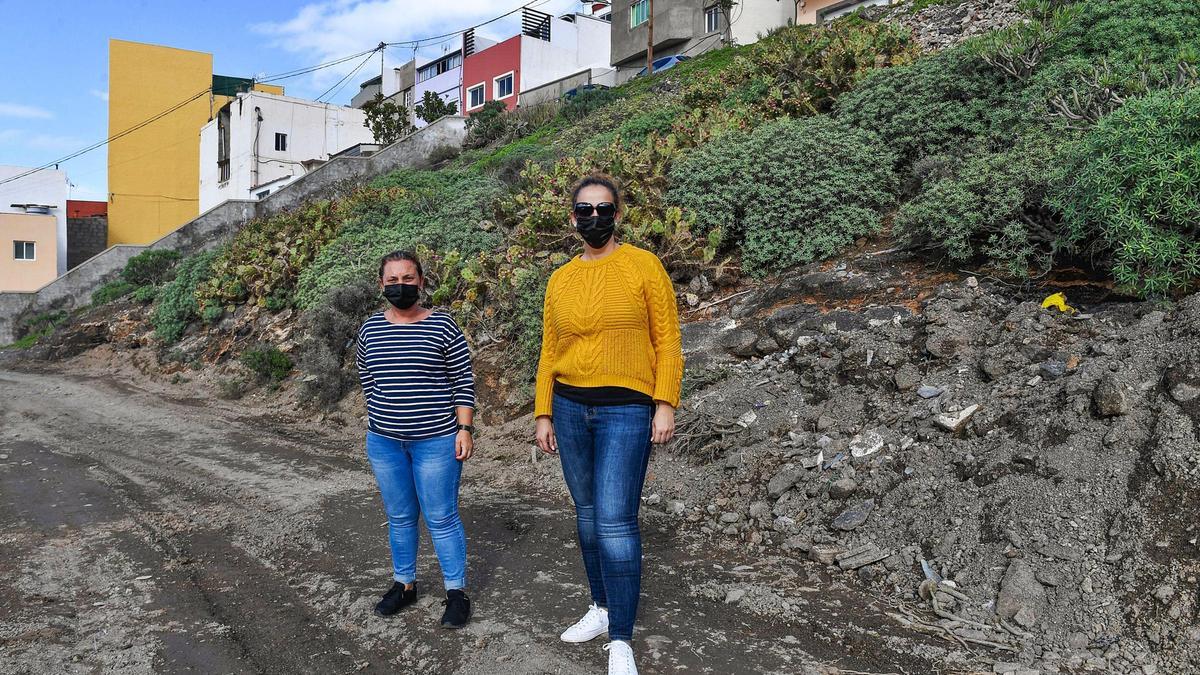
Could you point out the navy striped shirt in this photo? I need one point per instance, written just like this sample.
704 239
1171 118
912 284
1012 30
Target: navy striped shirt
414 375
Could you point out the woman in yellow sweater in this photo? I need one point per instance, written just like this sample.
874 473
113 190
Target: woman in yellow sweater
607 387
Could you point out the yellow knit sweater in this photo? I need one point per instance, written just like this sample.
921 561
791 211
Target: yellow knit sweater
611 322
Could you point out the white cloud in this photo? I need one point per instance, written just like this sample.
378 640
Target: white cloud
24 111
102 95
326 31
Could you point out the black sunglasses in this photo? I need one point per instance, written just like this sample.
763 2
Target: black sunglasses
603 209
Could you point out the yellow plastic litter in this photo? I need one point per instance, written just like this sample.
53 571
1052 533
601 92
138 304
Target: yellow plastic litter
1059 302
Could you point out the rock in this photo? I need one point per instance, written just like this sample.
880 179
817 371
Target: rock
734 596
866 443
972 282
927 391
784 479
1183 392
730 517
692 299
766 345
1052 370
760 510
1004 667
784 525
953 422
842 488
825 553
740 342
654 499
907 377
747 419
854 517
1112 396
1020 590
676 508
860 557
1164 593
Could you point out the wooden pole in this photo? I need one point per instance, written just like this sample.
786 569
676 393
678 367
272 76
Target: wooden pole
650 39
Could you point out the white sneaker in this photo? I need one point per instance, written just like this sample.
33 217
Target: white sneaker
592 625
620 658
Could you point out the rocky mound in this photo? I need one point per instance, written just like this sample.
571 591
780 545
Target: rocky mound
1011 477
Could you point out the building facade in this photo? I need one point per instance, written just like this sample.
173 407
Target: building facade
548 49
820 11
689 27
158 99
259 142
25 197
87 230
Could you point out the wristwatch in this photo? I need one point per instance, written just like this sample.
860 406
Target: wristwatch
469 428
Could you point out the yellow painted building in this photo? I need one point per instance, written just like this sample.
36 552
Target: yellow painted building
158 99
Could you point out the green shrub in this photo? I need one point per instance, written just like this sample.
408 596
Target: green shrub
113 290
990 204
1131 188
790 192
267 362
801 70
444 153
938 104
150 267
329 330
177 306
146 294
1132 32
38 327
267 255
447 210
586 102
233 388
486 125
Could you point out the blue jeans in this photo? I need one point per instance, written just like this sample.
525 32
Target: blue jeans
421 478
604 451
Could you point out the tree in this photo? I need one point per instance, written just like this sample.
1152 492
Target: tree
387 120
433 108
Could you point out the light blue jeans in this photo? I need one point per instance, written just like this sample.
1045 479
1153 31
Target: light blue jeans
420 478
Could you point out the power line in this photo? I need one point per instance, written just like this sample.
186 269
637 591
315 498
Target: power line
342 82
108 140
310 69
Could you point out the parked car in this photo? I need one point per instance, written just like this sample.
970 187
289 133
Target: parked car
664 63
571 93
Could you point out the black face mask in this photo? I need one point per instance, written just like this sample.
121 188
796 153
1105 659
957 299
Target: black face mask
402 296
596 230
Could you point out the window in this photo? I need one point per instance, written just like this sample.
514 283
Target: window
502 87
639 13
475 96
712 19
263 194
23 250
280 142
437 68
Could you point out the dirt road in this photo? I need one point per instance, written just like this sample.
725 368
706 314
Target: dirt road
144 532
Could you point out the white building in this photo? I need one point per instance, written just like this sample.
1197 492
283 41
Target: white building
45 188
260 142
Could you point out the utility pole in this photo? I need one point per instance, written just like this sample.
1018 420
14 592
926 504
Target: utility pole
650 39
382 48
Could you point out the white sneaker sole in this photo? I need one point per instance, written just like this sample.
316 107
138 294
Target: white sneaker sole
583 637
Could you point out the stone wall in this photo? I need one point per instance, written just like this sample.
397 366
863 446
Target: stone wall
86 237
220 223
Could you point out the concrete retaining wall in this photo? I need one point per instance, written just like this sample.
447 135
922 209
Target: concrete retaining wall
220 223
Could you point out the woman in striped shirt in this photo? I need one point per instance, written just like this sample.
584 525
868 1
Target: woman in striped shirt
415 370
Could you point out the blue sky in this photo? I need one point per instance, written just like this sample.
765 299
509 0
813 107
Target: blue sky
54 57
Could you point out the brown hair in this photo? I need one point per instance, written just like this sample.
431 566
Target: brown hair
400 255
601 179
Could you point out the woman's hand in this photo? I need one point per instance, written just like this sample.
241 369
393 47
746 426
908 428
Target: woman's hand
662 429
546 439
464 446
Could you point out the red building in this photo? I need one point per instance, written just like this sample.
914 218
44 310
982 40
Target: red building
82 209
493 74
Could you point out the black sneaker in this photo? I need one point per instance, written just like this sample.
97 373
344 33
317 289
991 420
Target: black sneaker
458 609
396 599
